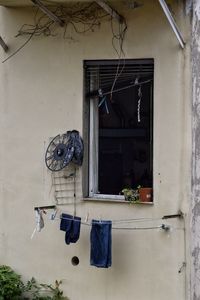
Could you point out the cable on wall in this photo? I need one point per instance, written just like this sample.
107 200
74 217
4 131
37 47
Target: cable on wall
75 19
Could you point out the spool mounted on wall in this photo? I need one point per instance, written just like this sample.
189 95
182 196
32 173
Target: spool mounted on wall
63 149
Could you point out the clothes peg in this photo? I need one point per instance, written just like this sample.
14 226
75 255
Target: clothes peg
166 227
53 214
100 93
86 218
104 102
136 81
69 176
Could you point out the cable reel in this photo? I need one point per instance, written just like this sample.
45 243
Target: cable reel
63 149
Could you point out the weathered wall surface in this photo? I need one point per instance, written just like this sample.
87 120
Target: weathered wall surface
195 213
41 96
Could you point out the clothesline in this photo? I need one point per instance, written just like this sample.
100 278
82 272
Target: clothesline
96 93
89 221
133 228
100 234
114 221
161 226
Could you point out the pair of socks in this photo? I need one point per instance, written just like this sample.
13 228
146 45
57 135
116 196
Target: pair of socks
71 225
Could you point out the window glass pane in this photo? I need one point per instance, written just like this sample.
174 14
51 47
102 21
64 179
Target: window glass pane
125 114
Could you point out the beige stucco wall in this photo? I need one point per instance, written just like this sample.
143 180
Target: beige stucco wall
41 96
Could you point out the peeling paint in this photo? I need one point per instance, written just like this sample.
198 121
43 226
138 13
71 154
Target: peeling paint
188 7
197 9
196 209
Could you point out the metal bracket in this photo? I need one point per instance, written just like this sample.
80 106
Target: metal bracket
179 215
3 44
49 13
172 23
110 11
45 207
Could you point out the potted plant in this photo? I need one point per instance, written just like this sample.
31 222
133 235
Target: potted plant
131 195
140 194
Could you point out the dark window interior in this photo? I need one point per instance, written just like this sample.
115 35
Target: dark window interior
125 97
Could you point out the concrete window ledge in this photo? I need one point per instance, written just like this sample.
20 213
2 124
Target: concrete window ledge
115 201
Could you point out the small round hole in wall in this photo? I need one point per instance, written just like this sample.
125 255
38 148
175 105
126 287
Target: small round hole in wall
75 261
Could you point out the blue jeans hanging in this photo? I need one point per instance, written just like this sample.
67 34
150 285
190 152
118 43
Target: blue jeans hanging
101 244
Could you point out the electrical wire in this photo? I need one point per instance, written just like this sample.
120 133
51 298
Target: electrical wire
120 38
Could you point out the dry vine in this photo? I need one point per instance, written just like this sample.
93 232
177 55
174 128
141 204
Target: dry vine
81 17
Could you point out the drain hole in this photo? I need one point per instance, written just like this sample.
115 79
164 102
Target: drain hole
75 261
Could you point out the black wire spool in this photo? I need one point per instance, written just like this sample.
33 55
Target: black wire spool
63 149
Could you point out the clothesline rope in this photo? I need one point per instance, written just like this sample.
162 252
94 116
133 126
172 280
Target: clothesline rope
108 221
139 228
133 228
165 227
161 226
115 221
89 222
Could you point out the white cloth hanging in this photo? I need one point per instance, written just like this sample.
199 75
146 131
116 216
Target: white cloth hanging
39 220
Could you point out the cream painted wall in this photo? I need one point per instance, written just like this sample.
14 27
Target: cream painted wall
41 96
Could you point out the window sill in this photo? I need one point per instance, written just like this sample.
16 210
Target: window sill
94 199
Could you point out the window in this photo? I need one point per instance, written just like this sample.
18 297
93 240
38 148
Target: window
119 95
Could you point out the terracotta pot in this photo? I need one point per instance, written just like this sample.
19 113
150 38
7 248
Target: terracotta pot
146 194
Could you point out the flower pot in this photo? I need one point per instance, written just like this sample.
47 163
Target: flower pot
146 194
